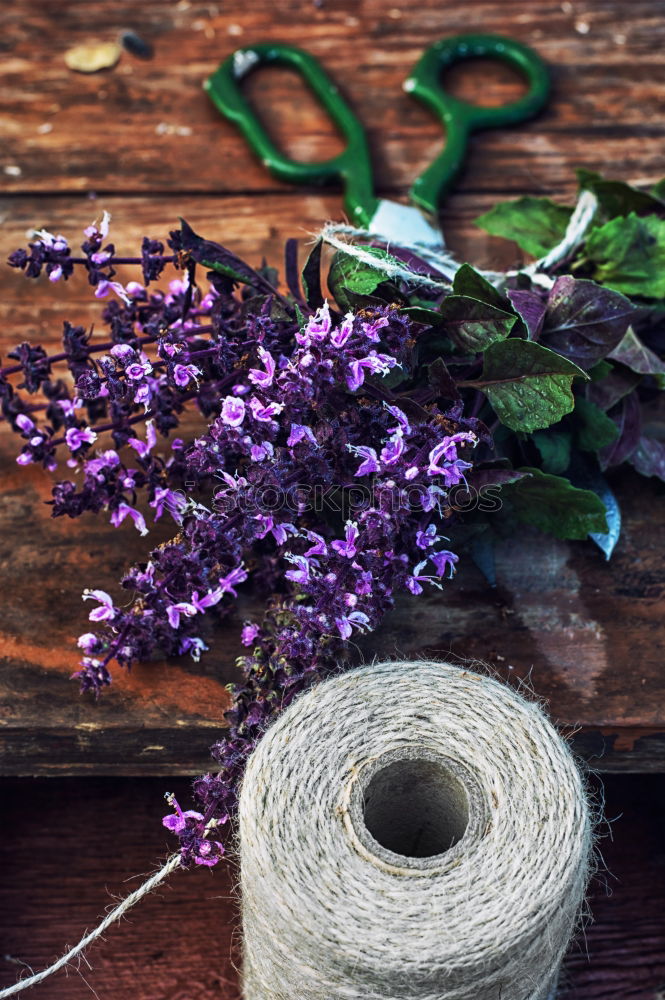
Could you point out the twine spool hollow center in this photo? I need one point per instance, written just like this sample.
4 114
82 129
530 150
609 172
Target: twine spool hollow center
409 809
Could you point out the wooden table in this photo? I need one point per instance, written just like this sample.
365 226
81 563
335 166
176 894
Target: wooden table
142 141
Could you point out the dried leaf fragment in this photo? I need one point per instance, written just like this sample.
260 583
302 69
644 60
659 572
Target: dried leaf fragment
90 57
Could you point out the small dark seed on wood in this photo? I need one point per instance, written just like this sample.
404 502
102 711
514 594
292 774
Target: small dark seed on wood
137 45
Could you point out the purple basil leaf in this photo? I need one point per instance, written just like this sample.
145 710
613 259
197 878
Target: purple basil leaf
649 457
629 421
635 355
479 476
218 258
311 277
583 321
291 268
607 392
531 307
441 380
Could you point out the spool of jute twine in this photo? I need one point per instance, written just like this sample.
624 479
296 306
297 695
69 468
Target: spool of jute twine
410 830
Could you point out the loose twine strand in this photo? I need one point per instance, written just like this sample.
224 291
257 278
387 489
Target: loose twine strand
115 914
446 263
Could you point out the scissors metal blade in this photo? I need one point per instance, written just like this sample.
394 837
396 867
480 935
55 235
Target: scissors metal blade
407 226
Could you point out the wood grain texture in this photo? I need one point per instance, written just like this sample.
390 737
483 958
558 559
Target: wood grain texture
587 635
68 847
146 126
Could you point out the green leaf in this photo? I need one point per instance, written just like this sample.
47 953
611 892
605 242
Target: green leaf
554 505
350 278
658 190
595 429
616 198
629 255
554 447
635 355
311 277
529 386
428 317
600 371
467 281
535 224
473 325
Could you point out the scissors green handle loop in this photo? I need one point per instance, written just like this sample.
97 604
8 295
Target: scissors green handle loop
352 167
461 118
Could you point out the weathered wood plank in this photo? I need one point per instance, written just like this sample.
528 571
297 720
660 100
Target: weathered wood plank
588 635
147 126
67 849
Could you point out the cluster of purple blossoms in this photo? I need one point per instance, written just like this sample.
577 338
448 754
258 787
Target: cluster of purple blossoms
296 400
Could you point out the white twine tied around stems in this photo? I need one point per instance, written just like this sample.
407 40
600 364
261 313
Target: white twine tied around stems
410 831
446 263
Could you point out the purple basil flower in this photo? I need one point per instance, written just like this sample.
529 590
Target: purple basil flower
444 560
209 853
24 423
348 548
301 433
105 286
123 511
444 461
177 821
392 451
317 328
249 634
232 579
193 645
302 573
100 232
87 642
105 611
264 412
184 374
371 330
339 337
77 437
263 379
233 411
370 463
374 364
138 370
143 448
172 502
401 418
346 623
174 612
319 548
426 538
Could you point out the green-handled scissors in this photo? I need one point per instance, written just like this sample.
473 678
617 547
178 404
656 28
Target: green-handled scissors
388 220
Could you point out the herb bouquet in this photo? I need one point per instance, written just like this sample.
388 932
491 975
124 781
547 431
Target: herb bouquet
360 430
